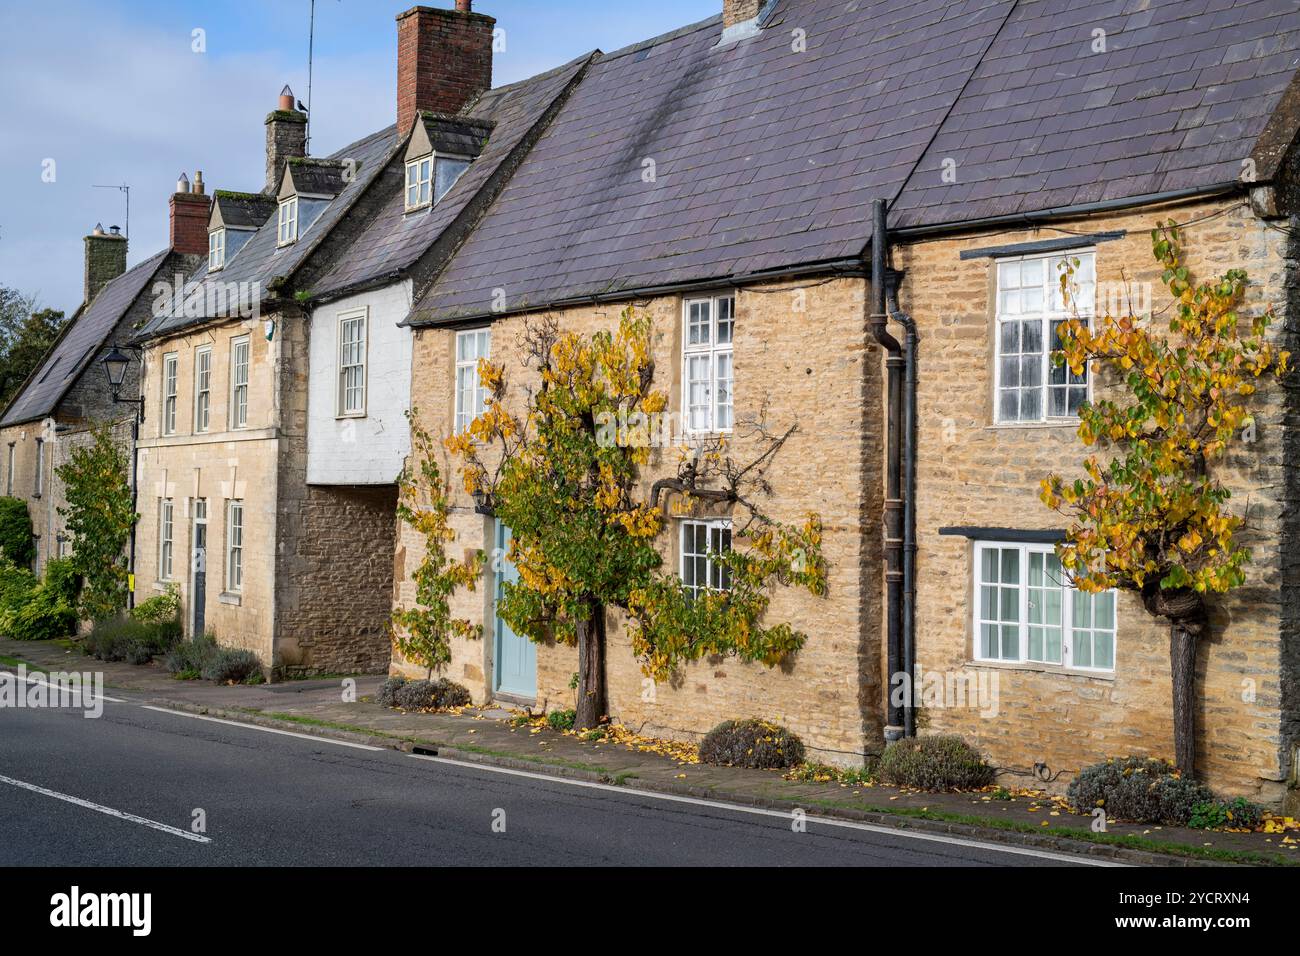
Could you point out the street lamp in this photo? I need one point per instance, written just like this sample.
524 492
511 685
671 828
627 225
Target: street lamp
484 503
115 365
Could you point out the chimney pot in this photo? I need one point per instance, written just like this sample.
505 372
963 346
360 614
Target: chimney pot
444 60
183 184
286 98
198 181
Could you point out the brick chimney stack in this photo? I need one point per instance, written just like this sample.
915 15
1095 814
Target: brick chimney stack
189 217
444 60
286 136
105 259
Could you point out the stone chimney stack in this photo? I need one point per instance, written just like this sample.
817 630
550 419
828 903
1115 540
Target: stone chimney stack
444 60
105 259
189 217
286 137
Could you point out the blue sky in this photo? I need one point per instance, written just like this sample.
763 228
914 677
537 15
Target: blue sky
113 92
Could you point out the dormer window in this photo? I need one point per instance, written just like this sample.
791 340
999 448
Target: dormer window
419 175
288 224
429 178
216 249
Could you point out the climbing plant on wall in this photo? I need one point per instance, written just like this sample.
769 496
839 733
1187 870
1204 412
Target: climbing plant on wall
1149 514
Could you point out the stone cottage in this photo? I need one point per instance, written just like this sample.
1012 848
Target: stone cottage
69 391
722 178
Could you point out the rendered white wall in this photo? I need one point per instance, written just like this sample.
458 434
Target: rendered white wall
367 450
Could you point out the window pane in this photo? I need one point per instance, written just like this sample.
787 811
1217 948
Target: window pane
1008 405
1010 605
1104 649
989 565
1010 566
449 170
1010 372
1010 642
726 310
1031 272
699 319
1031 403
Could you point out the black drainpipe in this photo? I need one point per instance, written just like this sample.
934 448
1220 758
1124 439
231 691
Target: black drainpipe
895 717
909 508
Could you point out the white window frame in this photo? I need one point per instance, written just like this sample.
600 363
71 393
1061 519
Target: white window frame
1069 632
239 388
166 538
419 182
216 250
171 366
467 381
714 354
1015 303
234 545
717 576
360 319
287 222
202 389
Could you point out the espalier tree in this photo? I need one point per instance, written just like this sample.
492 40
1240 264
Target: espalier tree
99 516
568 483
1152 518
422 633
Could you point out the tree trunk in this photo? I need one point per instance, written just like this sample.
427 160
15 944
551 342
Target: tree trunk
1182 660
592 703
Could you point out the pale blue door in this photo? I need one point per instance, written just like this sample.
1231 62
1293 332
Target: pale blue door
515 657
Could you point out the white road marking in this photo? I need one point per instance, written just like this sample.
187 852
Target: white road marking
785 815
99 808
34 679
269 730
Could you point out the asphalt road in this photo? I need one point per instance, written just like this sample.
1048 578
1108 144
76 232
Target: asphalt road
93 792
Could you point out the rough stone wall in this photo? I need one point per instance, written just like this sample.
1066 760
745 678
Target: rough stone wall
24 439
973 472
105 261
334 573
286 137
218 465
814 367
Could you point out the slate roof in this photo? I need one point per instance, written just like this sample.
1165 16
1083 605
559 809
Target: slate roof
766 158
315 177
457 135
260 260
394 240
86 333
1176 102
244 210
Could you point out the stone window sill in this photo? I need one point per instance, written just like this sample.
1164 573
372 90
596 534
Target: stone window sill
1035 668
229 597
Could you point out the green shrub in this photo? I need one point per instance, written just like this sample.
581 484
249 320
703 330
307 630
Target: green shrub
44 617
186 659
1239 812
561 719
122 638
438 694
34 610
387 695
754 743
1138 789
231 666
941 762
17 542
161 608
62 578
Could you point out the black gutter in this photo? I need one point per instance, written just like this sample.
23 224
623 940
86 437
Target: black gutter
1067 212
893 522
833 267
